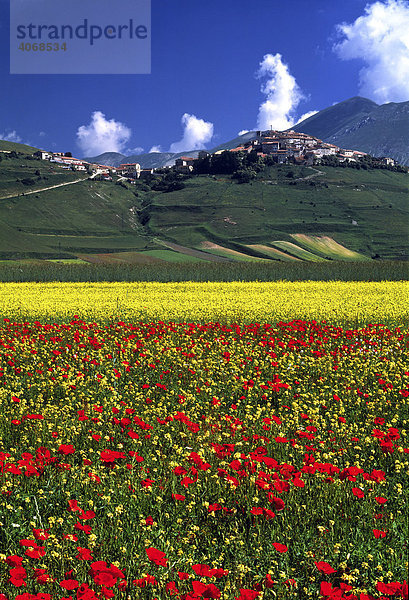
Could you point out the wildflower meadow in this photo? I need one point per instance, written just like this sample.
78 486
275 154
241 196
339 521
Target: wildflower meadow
232 441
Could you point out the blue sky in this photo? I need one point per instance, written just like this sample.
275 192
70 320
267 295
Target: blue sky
203 87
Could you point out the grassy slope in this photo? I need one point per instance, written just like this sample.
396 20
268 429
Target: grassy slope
99 217
229 214
88 216
42 173
10 146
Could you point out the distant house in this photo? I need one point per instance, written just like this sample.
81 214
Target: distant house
242 149
325 150
358 154
103 169
46 155
131 170
342 157
184 164
385 160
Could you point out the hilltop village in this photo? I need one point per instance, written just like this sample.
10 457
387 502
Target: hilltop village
279 146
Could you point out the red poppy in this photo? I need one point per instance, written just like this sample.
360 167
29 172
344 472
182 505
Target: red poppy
171 588
147 483
381 500
390 589
85 528
14 560
110 456
41 534
268 582
378 533
69 584
324 567
66 449
106 593
276 502
35 552
211 591
358 492
326 589
105 577
87 515
94 477
280 547
246 594
17 576
178 497
73 506
42 576
157 556
182 575
83 553
201 570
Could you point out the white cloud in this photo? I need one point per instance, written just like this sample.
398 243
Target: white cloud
156 149
306 115
196 134
243 131
102 135
282 92
137 150
11 136
42 133
380 37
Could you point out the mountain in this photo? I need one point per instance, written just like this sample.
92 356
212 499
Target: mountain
356 124
111 159
361 124
238 141
155 160
147 160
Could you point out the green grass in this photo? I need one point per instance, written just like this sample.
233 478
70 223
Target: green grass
172 257
43 174
222 211
99 217
14 146
297 251
203 271
328 248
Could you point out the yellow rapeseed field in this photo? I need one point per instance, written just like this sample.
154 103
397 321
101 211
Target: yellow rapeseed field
355 302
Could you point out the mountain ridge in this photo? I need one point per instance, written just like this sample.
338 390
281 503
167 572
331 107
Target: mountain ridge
356 124
361 124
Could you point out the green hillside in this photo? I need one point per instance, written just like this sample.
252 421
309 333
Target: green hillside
24 174
14 146
337 214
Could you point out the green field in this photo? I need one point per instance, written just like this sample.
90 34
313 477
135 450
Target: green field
159 266
336 214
